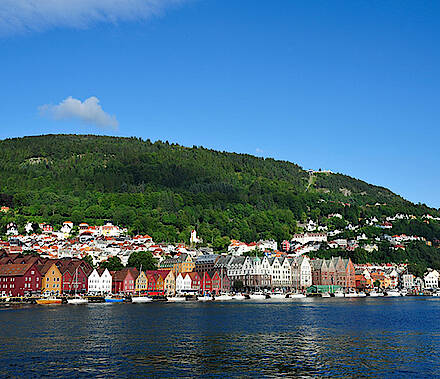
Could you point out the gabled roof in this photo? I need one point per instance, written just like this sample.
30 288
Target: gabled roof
44 268
15 269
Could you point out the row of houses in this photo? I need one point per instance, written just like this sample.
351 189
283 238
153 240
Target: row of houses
25 275
275 272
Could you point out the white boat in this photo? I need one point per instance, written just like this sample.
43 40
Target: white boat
393 293
141 299
277 295
257 296
351 293
325 294
176 299
404 292
297 295
77 300
238 296
374 293
204 298
362 294
223 297
339 293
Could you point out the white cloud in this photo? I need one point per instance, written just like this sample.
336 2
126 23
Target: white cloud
39 15
258 150
89 112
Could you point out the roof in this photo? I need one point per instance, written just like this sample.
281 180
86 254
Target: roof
210 258
44 268
119 276
15 269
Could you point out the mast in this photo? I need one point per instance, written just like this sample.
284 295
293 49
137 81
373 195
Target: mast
221 280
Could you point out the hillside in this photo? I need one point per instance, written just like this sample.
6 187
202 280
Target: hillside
166 190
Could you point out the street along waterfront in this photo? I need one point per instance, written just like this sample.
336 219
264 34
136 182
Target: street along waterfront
314 336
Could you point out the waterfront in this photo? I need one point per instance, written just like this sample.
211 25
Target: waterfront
311 337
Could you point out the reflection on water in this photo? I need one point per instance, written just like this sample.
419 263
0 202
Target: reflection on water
312 337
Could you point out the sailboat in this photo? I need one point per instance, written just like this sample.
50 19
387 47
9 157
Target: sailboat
140 299
222 296
296 294
76 300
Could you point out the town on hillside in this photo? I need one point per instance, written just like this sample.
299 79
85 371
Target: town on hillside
98 260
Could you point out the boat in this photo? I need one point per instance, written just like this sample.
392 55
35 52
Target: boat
48 300
277 295
141 299
77 300
297 295
238 296
374 293
393 293
338 293
351 293
204 298
114 299
325 294
176 299
258 295
223 297
404 292
362 294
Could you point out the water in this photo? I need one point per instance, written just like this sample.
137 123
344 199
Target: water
391 337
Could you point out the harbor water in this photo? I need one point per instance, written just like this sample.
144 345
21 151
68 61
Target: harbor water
369 337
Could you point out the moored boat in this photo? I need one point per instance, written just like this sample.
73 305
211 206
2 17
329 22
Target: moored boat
223 297
297 295
338 293
238 296
77 300
204 298
375 293
258 295
114 299
325 294
351 293
141 299
48 300
176 299
393 293
277 295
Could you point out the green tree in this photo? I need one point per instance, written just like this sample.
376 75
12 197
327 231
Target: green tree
142 258
112 264
88 259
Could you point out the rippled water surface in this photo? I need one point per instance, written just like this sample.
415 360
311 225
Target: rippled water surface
391 337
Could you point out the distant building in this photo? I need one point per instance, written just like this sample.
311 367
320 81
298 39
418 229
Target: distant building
194 239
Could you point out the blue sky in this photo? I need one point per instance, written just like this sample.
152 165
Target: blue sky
351 86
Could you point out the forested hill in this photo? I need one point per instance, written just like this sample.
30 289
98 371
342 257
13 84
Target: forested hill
165 189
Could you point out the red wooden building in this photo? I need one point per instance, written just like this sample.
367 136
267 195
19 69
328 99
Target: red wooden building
205 283
195 280
75 274
19 279
124 281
